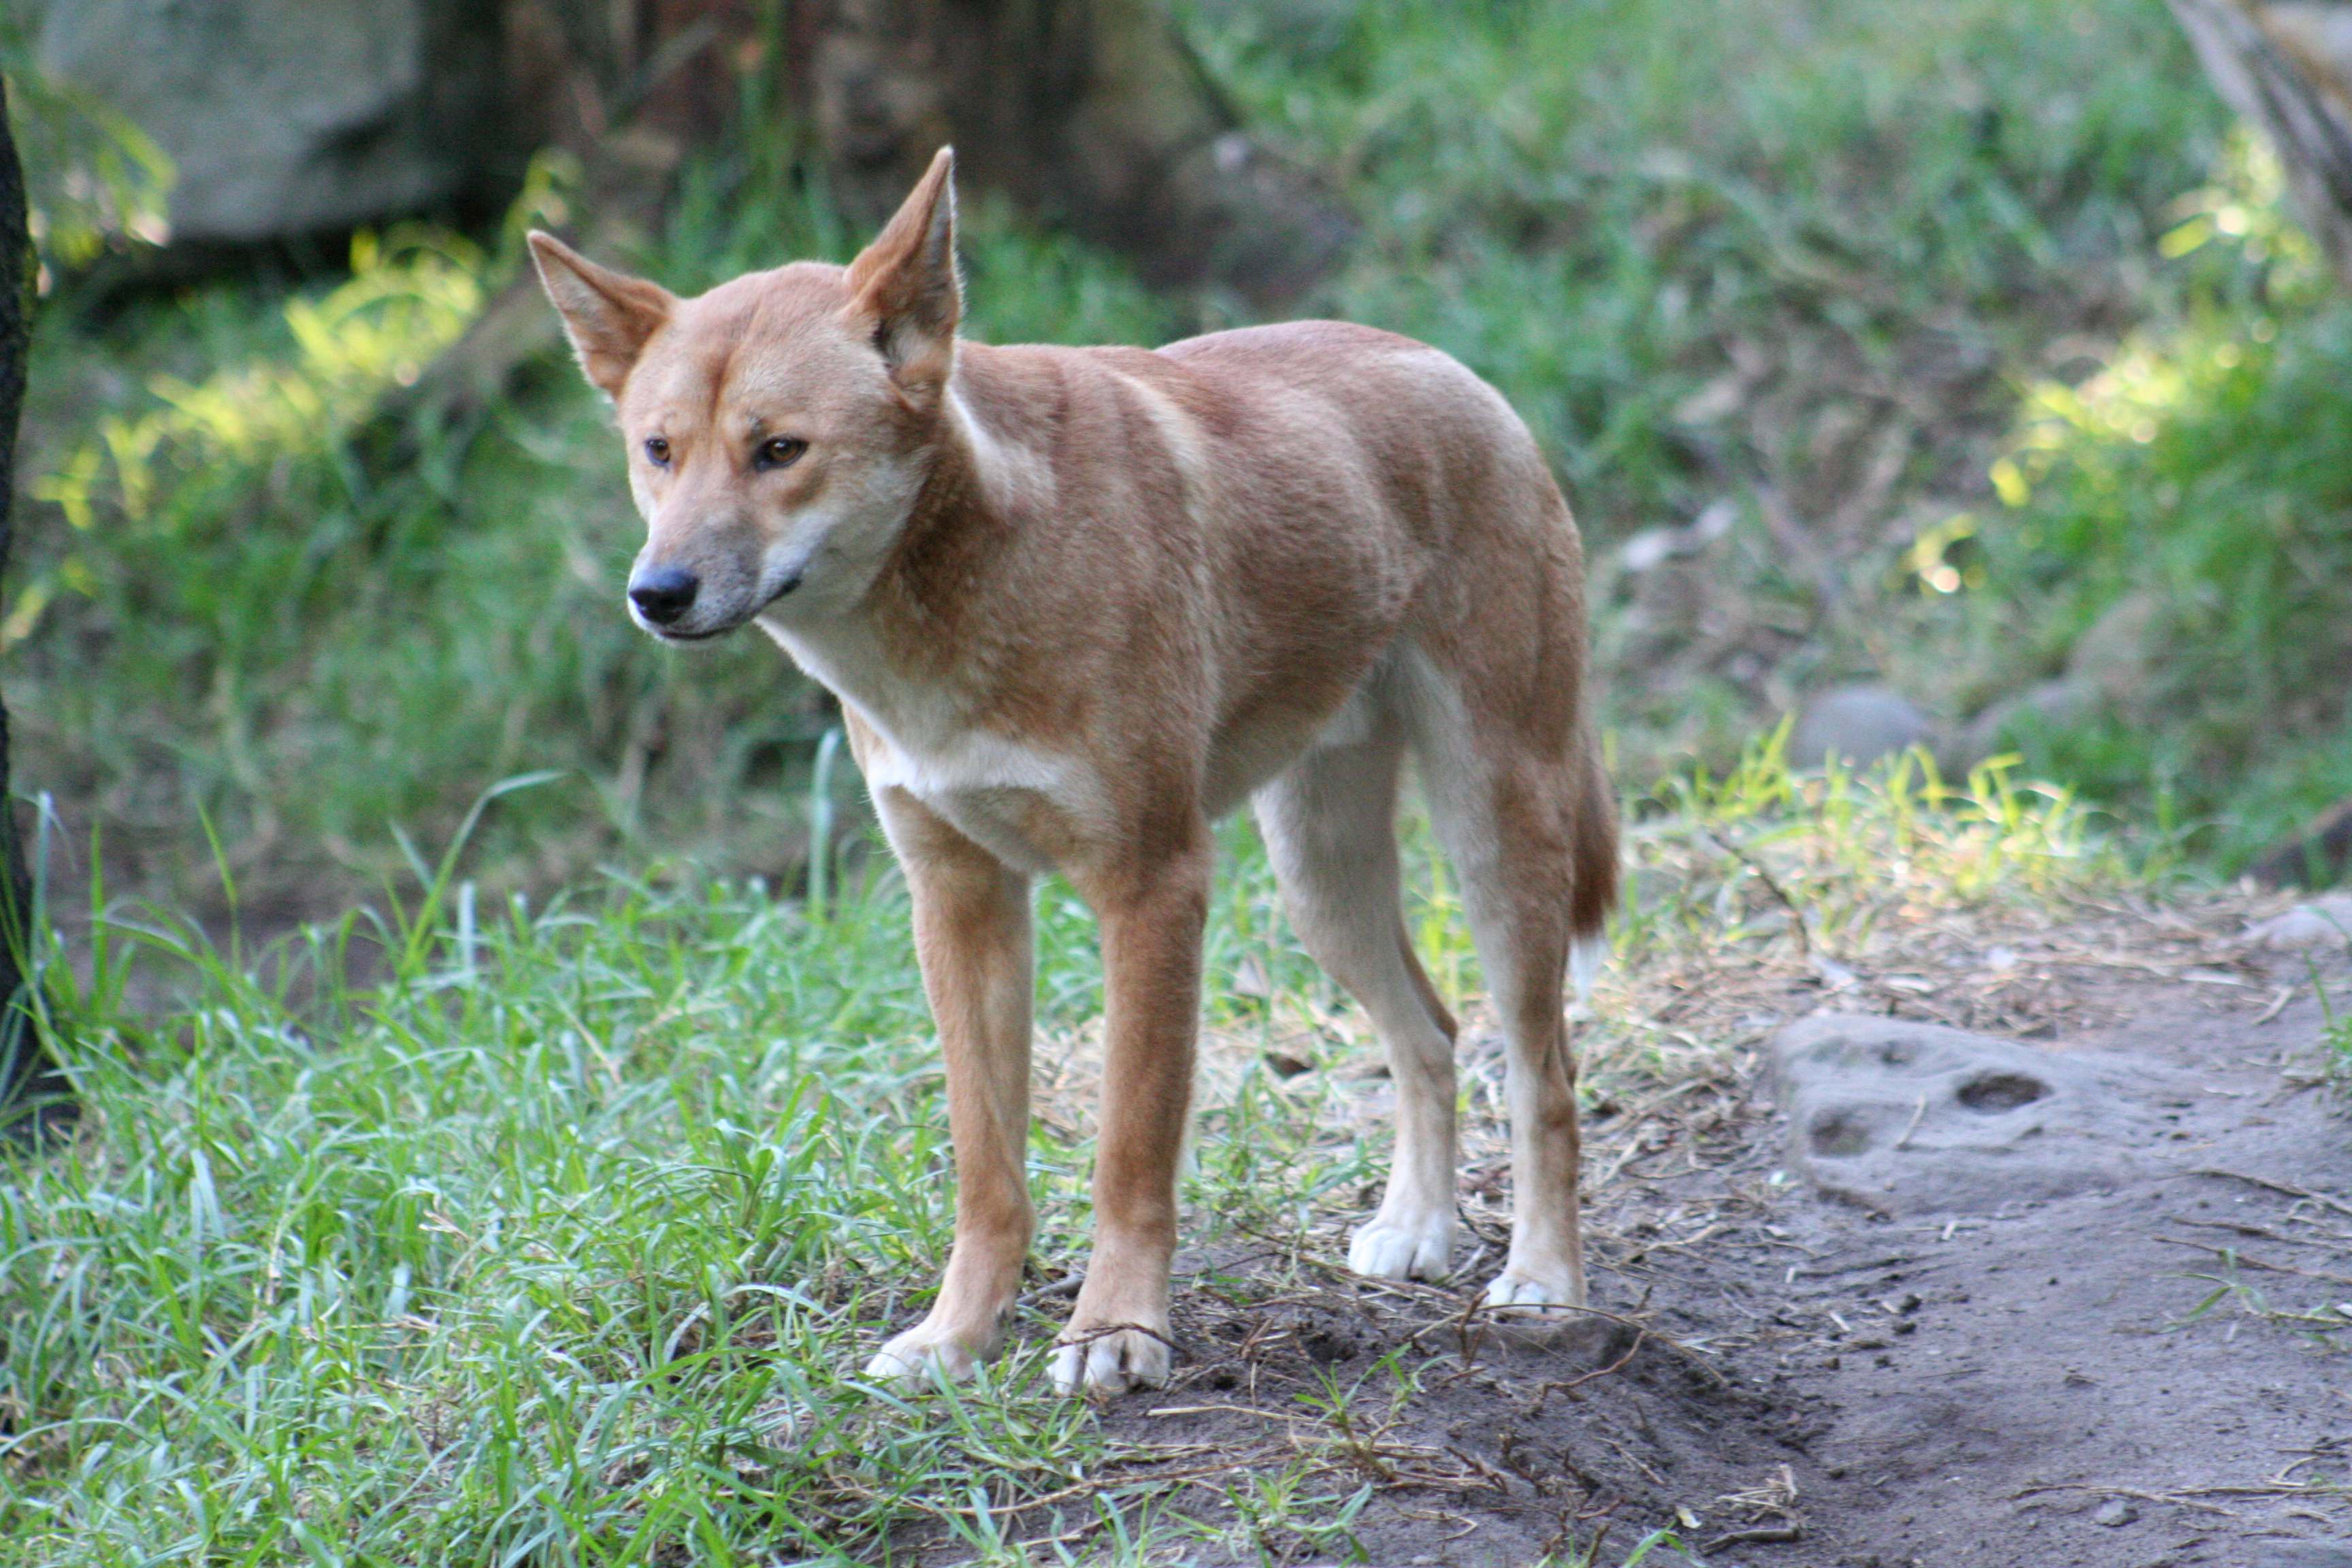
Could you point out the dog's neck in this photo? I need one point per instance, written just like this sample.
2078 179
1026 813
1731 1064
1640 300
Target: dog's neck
964 517
907 638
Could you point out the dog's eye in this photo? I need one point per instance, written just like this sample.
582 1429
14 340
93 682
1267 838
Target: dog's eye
657 451
780 452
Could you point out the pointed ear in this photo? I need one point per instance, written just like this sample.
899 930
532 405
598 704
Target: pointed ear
905 283
607 315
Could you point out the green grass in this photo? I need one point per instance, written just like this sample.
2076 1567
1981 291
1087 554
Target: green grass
565 1240
563 1245
1834 853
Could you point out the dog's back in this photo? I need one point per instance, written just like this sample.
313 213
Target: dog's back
1280 508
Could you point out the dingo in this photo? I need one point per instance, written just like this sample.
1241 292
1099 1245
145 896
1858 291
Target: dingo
1078 602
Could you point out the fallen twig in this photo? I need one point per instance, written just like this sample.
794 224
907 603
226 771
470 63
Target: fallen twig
1760 1535
2125 1491
1912 1126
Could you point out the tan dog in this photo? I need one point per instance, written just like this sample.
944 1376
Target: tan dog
1076 603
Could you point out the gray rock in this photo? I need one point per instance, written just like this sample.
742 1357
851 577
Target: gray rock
2059 704
2302 1554
2118 656
2323 922
288 117
2112 670
1858 724
1904 1118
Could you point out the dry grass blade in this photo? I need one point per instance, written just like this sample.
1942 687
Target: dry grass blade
2244 1260
2288 1188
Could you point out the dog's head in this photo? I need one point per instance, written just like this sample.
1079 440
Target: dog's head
779 428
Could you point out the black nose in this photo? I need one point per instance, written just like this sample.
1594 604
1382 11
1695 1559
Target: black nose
662 593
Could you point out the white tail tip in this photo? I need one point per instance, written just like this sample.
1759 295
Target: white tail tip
1586 955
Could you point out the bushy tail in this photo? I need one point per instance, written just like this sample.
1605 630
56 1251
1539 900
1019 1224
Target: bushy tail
1594 890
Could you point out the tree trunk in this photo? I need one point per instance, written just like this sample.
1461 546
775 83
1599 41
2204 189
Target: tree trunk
34 1094
1093 114
2286 65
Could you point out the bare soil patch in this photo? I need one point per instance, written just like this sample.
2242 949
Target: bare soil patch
2150 1372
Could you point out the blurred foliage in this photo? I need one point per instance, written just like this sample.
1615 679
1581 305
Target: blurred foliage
1782 269
1584 199
94 182
155 473
2200 473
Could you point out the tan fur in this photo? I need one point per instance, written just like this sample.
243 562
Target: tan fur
1076 603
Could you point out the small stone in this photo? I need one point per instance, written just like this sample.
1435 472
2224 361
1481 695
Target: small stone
2323 922
1857 725
2114 1512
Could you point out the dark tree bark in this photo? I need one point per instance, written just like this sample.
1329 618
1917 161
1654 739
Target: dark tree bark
33 1092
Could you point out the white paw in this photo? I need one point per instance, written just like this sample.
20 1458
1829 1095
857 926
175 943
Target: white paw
1415 1249
1110 1360
1525 1296
922 1355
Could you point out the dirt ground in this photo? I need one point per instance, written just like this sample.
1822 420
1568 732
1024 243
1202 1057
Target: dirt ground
2146 1375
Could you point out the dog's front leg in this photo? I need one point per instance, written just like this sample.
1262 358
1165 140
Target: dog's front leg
972 937
1152 915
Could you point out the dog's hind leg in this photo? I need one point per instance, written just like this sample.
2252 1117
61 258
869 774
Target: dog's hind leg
1509 807
1329 826
972 937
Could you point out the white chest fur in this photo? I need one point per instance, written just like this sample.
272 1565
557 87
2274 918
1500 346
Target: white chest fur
991 786
1016 799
